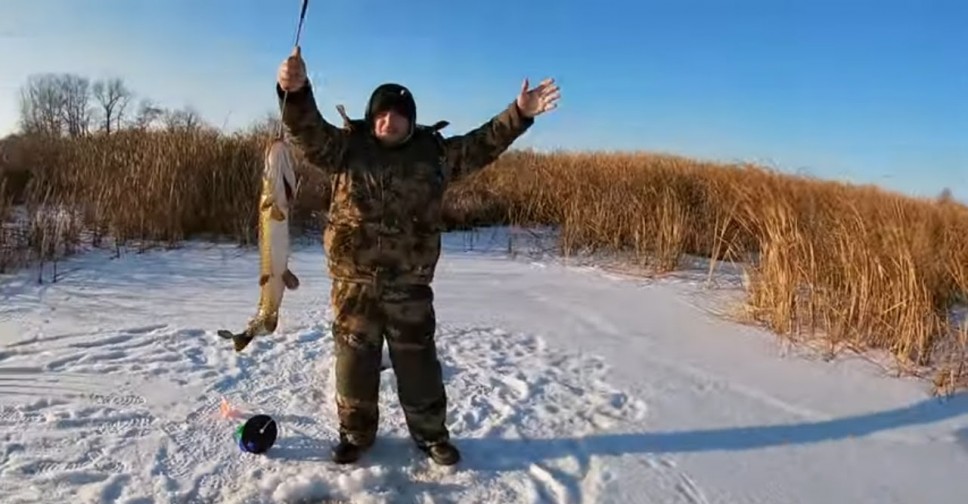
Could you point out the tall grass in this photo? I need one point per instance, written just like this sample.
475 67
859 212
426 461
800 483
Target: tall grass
855 267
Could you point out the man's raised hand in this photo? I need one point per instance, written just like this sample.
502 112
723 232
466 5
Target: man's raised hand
292 72
539 100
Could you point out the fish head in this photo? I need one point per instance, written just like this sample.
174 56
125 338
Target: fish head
279 174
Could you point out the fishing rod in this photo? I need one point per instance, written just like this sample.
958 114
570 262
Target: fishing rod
295 44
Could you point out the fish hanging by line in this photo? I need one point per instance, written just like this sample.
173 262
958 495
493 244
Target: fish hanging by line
275 204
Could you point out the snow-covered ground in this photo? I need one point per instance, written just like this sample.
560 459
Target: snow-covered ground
566 384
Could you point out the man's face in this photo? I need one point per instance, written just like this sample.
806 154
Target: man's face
391 127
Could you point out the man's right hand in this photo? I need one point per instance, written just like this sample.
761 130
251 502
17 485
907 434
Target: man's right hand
292 72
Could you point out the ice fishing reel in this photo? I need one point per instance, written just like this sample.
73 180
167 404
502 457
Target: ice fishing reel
257 434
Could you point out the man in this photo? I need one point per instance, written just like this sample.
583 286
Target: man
383 240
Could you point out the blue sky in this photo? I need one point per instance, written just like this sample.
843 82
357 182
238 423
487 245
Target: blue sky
860 90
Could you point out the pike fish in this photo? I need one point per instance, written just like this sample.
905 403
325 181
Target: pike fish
275 204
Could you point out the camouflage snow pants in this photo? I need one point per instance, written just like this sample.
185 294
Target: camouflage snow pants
365 315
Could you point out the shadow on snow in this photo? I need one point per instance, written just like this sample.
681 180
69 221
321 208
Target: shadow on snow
502 454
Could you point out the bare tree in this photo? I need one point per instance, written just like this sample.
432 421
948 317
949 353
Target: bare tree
76 111
54 104
187 118
113 97
147 114
41 105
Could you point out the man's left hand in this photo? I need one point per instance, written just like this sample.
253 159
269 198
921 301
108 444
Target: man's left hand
539 100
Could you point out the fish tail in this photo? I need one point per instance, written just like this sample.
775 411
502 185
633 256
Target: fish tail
239 340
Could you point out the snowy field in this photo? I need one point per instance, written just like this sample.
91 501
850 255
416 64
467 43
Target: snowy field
566 384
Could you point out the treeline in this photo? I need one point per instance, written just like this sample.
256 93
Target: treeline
53 104
58 106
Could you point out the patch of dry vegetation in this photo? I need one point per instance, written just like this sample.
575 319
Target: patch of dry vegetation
857 267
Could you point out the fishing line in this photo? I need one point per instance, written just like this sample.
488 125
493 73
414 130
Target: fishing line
280 134
282 111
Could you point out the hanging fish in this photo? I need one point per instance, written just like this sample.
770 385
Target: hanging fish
275 205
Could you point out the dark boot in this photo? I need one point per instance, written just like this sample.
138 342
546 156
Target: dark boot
347 452
443 453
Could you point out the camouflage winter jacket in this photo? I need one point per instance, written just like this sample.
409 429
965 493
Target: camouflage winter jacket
385 213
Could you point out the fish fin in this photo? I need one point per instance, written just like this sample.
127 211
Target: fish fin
290 279
269 202
263 279
276 213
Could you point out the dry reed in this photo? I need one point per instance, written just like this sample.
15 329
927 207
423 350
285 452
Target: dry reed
857 267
